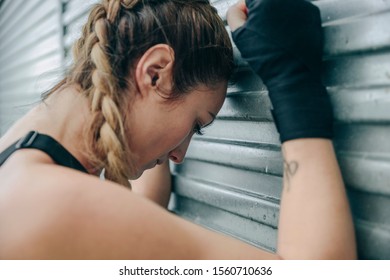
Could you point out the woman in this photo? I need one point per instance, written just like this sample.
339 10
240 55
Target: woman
147 76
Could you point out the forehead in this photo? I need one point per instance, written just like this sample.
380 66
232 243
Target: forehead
212 93
208 98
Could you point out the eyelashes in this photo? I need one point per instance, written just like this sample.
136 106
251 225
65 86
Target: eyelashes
198 129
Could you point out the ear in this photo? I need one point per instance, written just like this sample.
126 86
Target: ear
154 70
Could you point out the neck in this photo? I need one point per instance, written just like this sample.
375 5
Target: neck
63 116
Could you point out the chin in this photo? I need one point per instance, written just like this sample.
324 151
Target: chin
139 171
136 175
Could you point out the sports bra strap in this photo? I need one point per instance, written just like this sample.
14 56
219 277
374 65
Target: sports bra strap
46 144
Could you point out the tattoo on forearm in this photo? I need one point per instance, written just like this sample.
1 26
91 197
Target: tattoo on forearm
290 169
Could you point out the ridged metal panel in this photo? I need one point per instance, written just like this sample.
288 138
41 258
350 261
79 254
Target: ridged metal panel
75 16
231 177
30 52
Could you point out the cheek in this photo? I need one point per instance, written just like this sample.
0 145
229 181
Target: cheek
179 134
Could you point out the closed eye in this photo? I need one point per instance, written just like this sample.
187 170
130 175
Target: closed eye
198 129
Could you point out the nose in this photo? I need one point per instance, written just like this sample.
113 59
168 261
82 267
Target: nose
177 155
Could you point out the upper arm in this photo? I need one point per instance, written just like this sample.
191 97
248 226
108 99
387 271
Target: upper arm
121 225
86 218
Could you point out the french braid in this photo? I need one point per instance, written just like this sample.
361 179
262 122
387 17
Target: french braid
114 38
108 143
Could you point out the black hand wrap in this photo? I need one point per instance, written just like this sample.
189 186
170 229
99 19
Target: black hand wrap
282 41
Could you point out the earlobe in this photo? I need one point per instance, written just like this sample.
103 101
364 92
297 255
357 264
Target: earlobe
154 70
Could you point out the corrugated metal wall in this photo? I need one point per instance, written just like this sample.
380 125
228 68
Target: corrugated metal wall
231 178
357 72
75 15
30 51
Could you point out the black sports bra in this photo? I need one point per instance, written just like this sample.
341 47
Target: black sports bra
47 144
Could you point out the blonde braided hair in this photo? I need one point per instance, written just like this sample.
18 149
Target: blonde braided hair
115 36
107 139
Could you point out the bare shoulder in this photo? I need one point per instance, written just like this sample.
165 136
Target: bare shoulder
70 215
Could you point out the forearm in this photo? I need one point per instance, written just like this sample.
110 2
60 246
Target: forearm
315 219
155 184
